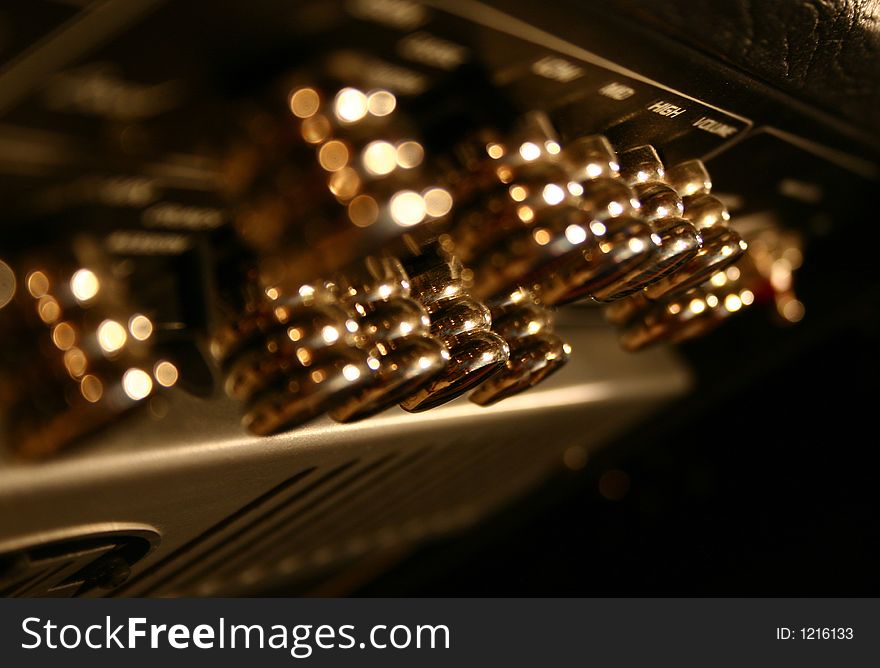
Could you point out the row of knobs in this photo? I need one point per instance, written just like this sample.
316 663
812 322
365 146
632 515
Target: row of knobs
662 310
539 224
378 333
420 304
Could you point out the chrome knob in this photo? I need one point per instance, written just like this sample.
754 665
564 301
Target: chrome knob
720 245
462 323
535 351
396 330
603 239
692 313
304 360
762 275
676 240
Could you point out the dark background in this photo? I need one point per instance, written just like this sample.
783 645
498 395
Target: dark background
762 482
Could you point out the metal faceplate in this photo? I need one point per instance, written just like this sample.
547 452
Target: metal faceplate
235 512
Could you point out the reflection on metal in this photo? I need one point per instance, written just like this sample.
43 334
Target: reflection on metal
76 562
461 323
396 329
763 275
536 352
309 501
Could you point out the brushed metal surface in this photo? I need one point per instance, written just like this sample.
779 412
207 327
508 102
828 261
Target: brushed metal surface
236 511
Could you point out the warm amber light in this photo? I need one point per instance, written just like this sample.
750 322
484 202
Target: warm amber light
697 306
315 129
594 170
333 155
575 234
137 384
525 214
438 202
407 208
793 310
780 275
350 105
615 208
7 284
380 158
636 245
330 334
111 336
345 183
495 151
37 284
48 309
529 151
410 154
718 279
166 373
363 211
305 102
518 193
91 388
381 103
140 327
598 228
63 336
84 285
75 362
553 194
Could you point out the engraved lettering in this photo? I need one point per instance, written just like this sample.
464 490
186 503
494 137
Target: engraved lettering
666 109
715 127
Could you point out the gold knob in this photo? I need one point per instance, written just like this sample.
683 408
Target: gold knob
463 324
535 351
